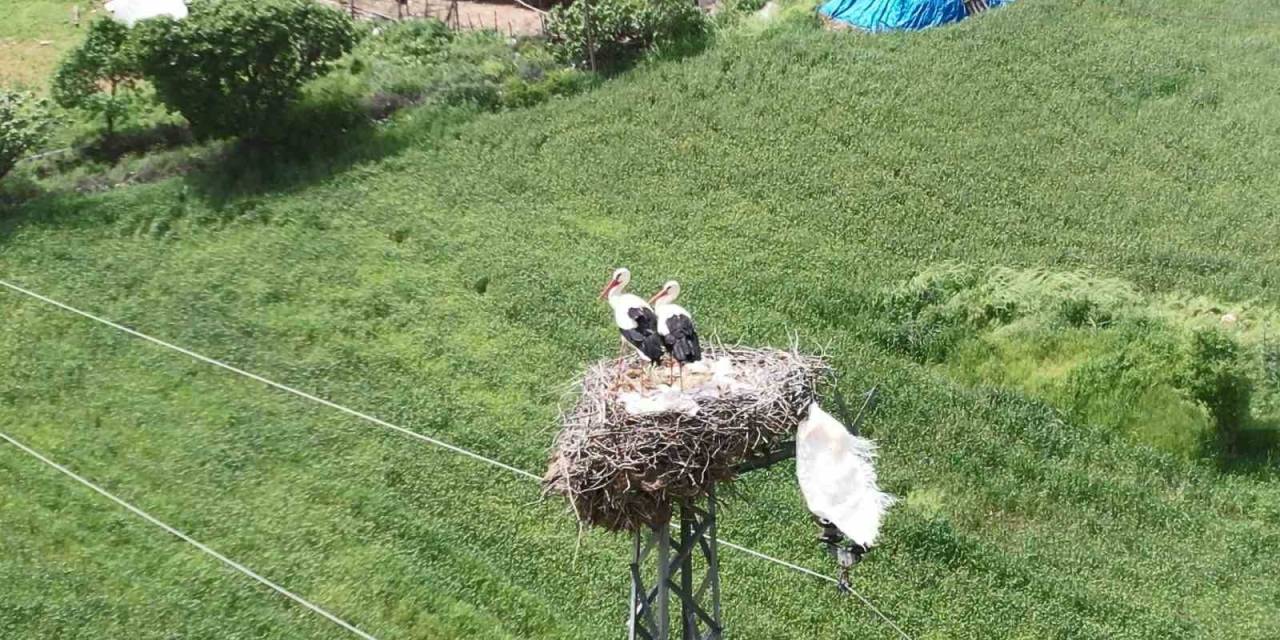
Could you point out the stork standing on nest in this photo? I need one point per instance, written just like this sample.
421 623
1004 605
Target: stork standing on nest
635 318
675 325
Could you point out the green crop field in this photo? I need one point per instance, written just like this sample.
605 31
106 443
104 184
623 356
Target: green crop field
787 176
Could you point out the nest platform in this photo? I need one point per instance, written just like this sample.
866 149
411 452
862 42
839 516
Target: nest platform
638 439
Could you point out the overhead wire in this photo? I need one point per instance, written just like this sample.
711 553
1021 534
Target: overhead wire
399 429
188 539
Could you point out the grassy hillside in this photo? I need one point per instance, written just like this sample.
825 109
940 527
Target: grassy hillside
33 35
784 177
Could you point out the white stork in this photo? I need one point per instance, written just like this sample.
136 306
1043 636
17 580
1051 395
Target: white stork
838 479
635 318
675 325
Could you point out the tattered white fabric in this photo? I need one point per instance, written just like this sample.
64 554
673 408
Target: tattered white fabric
838 477
131 12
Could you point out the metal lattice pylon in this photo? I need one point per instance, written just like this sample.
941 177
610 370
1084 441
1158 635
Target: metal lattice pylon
663 565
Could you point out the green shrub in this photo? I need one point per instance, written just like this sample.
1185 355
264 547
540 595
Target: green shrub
519 92
534 61
480 70
408 41
743 6
397 62
24 123
328 107
1271 364
731 12
797 16
1164 371
110 148
1216 377
623 30
101 76
233 68
465 83
421 61
540 75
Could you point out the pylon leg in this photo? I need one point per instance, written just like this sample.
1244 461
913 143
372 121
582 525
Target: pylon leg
686 566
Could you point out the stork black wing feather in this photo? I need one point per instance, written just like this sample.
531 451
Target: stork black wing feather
645 336
648 343
682 339
646 320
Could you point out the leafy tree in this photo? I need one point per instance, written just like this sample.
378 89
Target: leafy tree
24 123
100 76
233 67
622 30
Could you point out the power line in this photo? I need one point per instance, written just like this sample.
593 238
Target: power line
271 383
188 539
811 572
383 423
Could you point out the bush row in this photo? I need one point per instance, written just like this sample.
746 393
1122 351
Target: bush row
283 71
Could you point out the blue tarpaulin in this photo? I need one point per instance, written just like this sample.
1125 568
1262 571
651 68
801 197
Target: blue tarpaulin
894 15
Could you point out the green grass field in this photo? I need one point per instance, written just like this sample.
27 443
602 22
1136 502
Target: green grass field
33 36
446 284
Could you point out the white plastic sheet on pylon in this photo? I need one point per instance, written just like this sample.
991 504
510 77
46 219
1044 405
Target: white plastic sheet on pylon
837 475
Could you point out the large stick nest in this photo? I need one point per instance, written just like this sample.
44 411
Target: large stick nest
633 444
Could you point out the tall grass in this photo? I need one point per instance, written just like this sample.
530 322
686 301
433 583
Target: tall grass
786 179
1182 375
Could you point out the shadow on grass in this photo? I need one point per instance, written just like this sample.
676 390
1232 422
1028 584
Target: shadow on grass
319 137
25 203
1254 450
312 146
317 142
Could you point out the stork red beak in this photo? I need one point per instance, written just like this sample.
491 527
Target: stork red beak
657 295
607 287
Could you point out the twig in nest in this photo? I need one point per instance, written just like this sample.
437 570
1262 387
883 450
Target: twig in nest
620 470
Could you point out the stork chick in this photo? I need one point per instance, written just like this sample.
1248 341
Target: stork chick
675 325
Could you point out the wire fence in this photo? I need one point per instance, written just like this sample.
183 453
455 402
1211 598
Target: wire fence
402 430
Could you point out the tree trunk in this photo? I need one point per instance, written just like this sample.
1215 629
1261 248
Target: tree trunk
111 111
